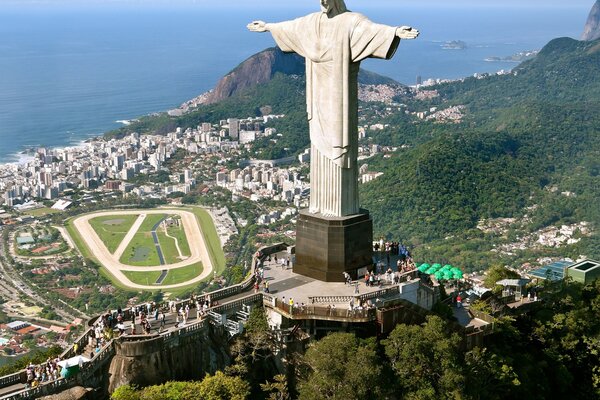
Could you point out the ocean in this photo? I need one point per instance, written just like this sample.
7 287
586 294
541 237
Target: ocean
70 73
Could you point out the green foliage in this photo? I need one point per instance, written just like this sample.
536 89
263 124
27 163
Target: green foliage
489 377
278 389
340 366
126 392
212 387
257 322
426 360
223 387
497 273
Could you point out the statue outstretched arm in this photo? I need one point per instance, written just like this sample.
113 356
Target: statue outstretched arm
258 26
407 32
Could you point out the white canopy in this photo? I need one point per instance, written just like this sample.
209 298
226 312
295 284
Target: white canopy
73 361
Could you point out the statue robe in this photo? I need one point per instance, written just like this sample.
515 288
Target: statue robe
333 49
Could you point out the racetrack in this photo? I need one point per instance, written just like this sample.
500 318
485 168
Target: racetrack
191 226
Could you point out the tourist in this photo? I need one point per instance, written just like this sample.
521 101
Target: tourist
458 301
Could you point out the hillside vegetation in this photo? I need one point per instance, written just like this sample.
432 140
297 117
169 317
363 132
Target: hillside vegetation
528 148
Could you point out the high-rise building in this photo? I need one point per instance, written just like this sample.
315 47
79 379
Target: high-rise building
234 128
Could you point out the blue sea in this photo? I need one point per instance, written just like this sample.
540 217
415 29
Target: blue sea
69 73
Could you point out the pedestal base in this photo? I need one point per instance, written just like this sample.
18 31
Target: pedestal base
326 247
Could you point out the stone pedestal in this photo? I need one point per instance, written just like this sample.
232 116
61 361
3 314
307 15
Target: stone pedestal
328 246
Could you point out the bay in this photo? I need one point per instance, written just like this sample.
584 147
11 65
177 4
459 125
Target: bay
67 74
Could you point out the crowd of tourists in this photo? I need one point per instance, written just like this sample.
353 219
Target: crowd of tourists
42 373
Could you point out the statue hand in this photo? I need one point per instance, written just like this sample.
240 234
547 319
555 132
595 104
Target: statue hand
407 32
257 26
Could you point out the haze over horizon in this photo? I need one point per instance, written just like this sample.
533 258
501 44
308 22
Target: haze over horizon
297 3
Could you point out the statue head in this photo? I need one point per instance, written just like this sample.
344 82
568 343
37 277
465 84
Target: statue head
333 7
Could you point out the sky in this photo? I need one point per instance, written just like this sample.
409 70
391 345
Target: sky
300 3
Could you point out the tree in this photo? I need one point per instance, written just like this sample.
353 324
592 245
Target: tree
223 387
278 389
426 360
497 273
488 376
340 366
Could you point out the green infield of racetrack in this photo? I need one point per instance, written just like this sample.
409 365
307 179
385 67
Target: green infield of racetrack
215 251
174 276
111 229
209 232
141 251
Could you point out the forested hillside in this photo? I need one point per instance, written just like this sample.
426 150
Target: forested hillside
528 148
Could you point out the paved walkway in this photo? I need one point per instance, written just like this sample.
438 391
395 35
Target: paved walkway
284 282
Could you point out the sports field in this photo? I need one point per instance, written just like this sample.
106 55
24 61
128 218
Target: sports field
135 246
112 229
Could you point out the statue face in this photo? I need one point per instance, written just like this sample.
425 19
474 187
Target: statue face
333 7
326 5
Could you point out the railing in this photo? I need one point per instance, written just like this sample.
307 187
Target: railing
81 342
393 289
41 390
482 316
317 312
11 379
253 298
331 299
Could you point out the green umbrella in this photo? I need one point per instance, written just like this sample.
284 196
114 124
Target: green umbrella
438 275
448 266
436 266
424 267
458 275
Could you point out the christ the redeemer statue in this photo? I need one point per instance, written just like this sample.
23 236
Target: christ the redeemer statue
334 42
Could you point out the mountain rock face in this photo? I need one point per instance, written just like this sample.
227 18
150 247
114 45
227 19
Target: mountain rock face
261 67
257 69
592 27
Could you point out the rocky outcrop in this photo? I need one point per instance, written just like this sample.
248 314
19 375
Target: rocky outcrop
261 67
592 27
158 360
75 393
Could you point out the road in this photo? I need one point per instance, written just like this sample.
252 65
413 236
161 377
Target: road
12 285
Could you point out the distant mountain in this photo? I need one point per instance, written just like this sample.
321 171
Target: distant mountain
262 67
527 137
592 27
